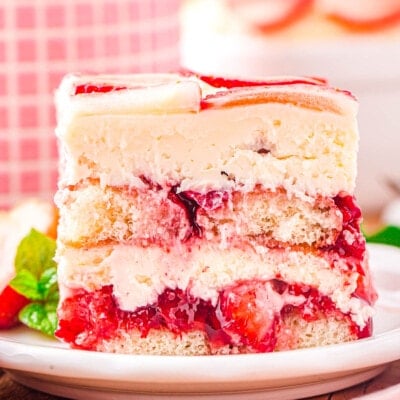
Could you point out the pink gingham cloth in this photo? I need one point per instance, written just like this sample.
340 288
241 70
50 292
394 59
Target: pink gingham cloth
42 40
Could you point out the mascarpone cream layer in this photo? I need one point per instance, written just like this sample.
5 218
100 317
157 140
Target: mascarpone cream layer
139 275
304 150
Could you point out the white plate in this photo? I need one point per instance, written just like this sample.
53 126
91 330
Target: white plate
50 366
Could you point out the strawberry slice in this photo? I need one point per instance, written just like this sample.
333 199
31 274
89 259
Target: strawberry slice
361 15
11 302
270 15
249 313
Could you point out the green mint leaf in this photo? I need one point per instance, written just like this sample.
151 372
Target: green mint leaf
53 296
38 316
389 235
35 253
26 284
47 282
36 279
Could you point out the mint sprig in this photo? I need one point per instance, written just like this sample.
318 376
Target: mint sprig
388 235
36 279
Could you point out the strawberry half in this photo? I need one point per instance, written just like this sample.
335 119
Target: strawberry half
361 15
11 303
250 317
270 15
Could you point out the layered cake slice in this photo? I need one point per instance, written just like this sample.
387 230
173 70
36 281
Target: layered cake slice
202 215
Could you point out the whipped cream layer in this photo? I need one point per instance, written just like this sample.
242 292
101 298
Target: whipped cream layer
139 275
177 130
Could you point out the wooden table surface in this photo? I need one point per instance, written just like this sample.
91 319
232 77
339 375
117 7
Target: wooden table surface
382 387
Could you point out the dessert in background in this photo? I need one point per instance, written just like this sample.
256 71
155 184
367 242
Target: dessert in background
204 215
40 41
300 19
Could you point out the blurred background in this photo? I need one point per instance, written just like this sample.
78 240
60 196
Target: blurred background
42 40
353 43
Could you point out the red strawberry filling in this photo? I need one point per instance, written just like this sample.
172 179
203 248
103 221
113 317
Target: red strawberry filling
350 242
244 315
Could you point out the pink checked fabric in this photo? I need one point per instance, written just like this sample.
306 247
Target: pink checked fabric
42 40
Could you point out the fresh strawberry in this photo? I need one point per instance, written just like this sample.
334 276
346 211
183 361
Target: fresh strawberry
249 313
270 15
11 302
361 15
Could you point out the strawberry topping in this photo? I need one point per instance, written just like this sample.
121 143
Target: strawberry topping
230 83
89 88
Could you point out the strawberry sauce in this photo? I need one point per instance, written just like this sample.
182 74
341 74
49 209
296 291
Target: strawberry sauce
237 320
351 227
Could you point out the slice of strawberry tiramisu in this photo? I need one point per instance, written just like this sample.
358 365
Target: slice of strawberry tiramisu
202 215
